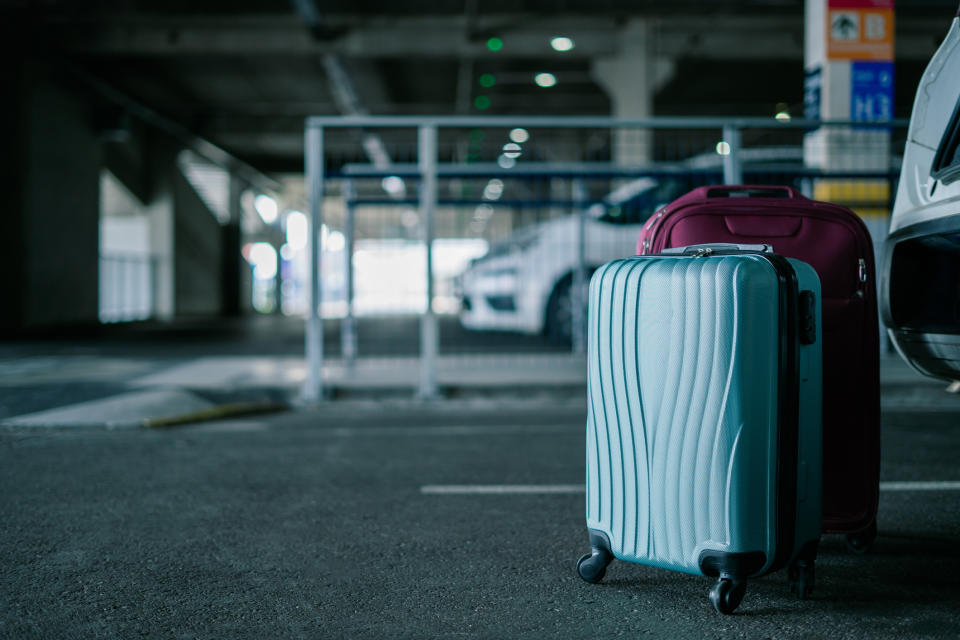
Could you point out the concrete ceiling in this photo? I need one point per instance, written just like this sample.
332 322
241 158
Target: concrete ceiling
244 74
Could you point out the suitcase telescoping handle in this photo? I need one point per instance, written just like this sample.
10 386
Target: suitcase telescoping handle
717 248
753 191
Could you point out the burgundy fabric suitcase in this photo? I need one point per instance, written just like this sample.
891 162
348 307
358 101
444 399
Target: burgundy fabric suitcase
835 242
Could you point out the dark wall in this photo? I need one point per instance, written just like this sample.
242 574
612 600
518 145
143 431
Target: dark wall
51 166
11 185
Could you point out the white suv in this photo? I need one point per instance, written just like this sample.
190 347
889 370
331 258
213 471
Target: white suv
524 282
920 279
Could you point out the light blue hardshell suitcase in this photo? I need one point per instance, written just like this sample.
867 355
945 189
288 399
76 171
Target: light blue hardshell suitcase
704 416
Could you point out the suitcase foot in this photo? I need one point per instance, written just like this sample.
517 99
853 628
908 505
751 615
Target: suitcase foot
801 572
593 566
862 541
802 575
727 594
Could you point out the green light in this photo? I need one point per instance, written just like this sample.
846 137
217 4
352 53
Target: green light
494 44
482 103
477 135
487 80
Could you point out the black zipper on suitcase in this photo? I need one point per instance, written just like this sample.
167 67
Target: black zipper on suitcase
788 441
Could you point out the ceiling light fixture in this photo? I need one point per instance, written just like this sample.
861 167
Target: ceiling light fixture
545 79
266 207
519 135
561 43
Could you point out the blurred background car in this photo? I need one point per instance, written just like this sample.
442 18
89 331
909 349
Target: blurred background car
524 282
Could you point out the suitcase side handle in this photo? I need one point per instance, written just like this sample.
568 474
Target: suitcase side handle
753 191
717 248
807 305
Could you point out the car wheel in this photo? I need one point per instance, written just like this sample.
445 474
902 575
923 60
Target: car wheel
559 321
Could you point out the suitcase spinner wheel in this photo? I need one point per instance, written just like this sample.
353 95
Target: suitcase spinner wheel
593 566
727 594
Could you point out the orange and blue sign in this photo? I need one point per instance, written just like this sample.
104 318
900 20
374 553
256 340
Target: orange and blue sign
860 30
871 91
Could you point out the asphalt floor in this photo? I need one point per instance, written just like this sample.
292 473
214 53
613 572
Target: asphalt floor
331 521
315 524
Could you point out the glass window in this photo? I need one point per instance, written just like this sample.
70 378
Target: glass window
946 164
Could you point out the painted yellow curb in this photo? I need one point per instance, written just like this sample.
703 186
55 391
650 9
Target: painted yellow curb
215 413
852 191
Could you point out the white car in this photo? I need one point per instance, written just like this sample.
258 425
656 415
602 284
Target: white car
920 279
524 282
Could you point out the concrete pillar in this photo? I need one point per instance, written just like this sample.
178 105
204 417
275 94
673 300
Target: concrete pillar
848 62
230 266
198 251
51 184
631 79
159 156
160 212
232 263
186 239
13 283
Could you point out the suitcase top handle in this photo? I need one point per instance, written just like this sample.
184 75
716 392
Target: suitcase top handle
751 191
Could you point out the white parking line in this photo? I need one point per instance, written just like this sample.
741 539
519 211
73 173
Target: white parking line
453 430
463 489
920 486
527 489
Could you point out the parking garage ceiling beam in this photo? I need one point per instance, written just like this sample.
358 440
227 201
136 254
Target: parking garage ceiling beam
415 36
717 37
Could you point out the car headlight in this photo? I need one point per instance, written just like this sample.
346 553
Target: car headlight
522 244
508 247
502 279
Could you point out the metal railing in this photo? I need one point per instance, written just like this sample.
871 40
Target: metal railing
127 283
585 155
